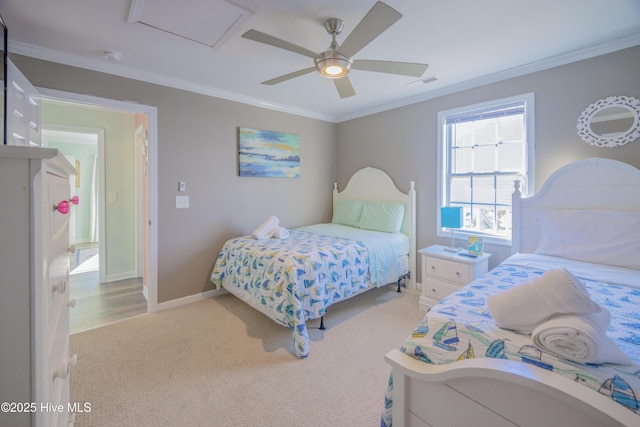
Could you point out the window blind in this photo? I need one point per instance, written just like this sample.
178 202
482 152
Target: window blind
488 113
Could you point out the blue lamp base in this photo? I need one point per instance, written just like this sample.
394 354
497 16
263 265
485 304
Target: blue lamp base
452 248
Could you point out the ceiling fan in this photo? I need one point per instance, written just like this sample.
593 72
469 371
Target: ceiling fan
336 62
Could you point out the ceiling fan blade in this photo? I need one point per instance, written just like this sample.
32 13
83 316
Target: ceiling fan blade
411 69
345 89
276 42
375 22
289 76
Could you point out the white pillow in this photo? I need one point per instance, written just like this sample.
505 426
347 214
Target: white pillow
602 237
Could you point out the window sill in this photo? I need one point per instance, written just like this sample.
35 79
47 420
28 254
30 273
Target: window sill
487 239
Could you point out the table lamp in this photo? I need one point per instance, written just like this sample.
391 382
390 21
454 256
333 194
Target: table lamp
451 217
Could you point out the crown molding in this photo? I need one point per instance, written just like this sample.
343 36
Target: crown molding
131 73
556 61
119 70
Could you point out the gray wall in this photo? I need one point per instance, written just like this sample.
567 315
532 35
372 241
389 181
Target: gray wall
197 143
402 141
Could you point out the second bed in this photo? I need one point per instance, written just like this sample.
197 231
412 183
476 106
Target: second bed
369 243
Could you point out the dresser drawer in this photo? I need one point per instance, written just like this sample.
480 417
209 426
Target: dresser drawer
56 279
436 289
57 304
61 367
57 258
448 270
57 191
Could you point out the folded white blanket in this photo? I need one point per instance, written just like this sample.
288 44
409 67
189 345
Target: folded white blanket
580 338
280 232
525 306
266 229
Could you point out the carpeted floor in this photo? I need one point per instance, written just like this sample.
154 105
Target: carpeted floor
219 362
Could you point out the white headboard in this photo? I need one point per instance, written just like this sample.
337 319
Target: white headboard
586 184
374 184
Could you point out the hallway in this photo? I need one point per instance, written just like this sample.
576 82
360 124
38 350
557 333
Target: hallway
98 304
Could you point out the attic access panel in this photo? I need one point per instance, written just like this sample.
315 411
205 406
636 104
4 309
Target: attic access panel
208 22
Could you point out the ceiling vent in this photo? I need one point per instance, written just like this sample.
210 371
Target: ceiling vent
423 81
207 22
112 55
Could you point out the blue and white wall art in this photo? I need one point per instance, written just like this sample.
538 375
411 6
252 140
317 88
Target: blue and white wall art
267 153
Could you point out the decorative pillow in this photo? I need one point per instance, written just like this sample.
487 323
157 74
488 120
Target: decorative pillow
348 212
382 216
602 237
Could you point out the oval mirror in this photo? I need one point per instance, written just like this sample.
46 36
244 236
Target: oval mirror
610 122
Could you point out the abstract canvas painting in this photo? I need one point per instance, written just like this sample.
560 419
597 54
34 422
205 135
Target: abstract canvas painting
267 153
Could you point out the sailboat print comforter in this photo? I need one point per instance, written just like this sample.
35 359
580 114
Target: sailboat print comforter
295 279
460 327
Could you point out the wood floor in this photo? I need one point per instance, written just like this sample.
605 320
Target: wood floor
98 304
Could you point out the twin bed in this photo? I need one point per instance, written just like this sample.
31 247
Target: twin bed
369 243
457 367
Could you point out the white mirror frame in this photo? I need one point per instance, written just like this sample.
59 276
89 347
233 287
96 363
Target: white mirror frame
584 121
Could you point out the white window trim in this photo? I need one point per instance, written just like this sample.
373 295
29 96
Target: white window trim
526 188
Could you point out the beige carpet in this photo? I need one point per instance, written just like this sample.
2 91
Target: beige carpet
219 362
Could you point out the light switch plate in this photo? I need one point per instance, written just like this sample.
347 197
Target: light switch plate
182 202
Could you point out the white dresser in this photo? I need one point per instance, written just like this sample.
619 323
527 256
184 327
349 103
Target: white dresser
445 272
34 302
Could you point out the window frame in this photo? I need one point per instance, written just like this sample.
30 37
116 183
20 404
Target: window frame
443 157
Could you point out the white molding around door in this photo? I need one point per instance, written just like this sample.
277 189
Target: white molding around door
139 159
152 113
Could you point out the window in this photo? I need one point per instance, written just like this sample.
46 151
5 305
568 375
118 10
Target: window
483 149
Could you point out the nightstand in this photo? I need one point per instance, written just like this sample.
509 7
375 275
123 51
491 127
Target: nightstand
445 272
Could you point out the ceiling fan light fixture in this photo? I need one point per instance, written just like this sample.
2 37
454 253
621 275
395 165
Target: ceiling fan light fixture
334 70
332 65
337 60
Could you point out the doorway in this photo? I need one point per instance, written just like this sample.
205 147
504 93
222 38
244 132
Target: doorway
91 224
84 148
99 299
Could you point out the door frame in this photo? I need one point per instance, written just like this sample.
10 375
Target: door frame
139 158
151 274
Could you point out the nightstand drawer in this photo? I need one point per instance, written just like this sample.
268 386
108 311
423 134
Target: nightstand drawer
436 290
448 270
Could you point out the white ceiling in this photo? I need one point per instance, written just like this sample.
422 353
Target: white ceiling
466 42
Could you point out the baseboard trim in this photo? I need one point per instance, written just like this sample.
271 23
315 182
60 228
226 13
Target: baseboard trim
120 276
179 302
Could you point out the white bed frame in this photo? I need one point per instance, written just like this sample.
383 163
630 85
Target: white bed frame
492 392
374 184
586 184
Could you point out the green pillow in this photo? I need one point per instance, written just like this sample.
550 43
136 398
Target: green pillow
382 216
348 212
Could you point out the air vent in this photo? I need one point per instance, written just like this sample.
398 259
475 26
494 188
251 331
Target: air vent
423 81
